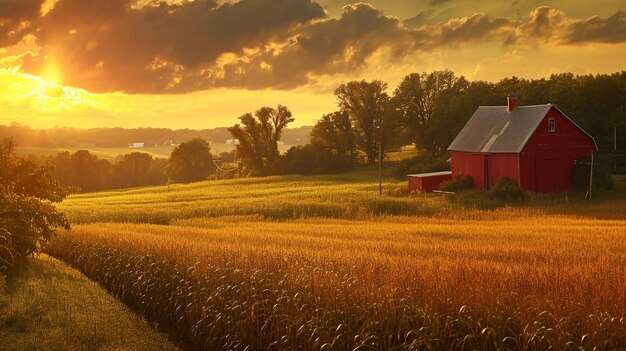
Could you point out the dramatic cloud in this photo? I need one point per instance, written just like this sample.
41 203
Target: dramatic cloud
176 46
16 17
336 46
549 25
596 29
470 28
325 47
117 45
108 46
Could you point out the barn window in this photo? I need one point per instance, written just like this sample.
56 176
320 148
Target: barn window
551 125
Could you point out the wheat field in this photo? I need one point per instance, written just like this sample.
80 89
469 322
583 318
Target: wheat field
507 279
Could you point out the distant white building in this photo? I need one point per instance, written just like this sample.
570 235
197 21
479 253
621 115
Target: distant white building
136 145
232 141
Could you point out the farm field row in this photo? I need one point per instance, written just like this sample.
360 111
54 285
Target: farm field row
513 281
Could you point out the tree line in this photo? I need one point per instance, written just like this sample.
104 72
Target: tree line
426 109
82 171
60 137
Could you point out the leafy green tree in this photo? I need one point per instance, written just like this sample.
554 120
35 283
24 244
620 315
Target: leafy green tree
27 178
139 169
416 99
310 159
84 170
452 111
258 137
28 218
191 162
366 103
334 133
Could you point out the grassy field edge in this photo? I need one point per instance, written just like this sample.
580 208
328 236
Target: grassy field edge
52 306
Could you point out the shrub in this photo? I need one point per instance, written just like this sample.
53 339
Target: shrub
507 191
26 226
28 220
310 159
457 184
601 177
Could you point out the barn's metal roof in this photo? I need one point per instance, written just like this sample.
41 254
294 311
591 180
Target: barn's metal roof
431 174
493 129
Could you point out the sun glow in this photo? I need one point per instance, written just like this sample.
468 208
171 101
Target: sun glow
52 73
43 93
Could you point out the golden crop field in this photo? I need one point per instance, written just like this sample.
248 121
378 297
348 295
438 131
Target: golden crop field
507 279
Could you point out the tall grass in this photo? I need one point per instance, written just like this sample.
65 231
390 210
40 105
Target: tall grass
237 283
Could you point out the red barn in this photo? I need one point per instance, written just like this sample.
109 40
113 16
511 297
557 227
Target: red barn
535 146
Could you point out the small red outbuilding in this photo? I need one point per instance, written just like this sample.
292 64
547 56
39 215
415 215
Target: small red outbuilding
428 181
536 146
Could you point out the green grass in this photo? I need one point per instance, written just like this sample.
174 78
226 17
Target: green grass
54 307
347 195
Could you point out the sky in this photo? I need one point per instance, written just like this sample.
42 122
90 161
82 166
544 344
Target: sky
202 64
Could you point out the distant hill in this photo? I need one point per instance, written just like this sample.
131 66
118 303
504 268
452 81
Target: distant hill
120 137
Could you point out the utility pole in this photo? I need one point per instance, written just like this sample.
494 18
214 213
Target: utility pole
380 168
591 177
380 160
615 149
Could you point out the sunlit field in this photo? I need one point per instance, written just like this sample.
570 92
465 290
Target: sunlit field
324 262
348 195
506 281
274 197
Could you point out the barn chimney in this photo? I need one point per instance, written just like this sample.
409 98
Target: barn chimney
511 102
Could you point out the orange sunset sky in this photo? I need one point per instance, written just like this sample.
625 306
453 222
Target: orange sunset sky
203 63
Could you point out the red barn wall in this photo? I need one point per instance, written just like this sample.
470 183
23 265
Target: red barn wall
428 184
469 164
415 183
433 183
473 164
503 165
547 160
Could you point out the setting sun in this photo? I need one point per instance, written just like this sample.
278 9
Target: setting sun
52 73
